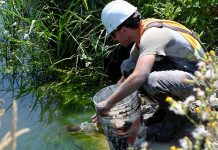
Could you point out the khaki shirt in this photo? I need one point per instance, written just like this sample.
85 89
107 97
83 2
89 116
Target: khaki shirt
164 42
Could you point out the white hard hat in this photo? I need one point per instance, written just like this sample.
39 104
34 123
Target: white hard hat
115 13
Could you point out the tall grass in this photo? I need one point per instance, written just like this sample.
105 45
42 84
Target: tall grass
57 49
48 47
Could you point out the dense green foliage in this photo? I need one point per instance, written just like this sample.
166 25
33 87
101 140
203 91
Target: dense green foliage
198 15
58 50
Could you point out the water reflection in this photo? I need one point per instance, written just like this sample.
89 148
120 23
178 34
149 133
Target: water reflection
52 136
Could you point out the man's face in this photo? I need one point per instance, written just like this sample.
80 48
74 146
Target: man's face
122 36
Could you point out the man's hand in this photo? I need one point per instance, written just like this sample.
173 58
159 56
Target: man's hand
102 110
95 120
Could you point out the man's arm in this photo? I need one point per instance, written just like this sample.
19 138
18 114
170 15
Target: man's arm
122 79
132 83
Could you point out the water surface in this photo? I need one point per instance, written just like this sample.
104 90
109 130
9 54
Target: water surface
48 136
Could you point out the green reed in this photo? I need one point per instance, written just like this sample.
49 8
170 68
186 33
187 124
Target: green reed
57 49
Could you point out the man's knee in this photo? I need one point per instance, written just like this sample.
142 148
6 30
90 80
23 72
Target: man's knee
127 67
169 83
152 85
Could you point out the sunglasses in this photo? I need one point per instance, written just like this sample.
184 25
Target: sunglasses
112 34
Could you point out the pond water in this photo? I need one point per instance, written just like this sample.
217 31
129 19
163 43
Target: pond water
48 136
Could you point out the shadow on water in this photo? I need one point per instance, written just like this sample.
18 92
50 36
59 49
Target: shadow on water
52 136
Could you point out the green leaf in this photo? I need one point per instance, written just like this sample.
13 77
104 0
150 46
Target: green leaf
85 4
32 25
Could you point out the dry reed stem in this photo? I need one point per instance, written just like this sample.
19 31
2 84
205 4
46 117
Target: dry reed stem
8 138
14 124
7 135
11 137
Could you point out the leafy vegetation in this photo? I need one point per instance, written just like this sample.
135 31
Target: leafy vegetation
198 15
47 48
204 103
58 50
